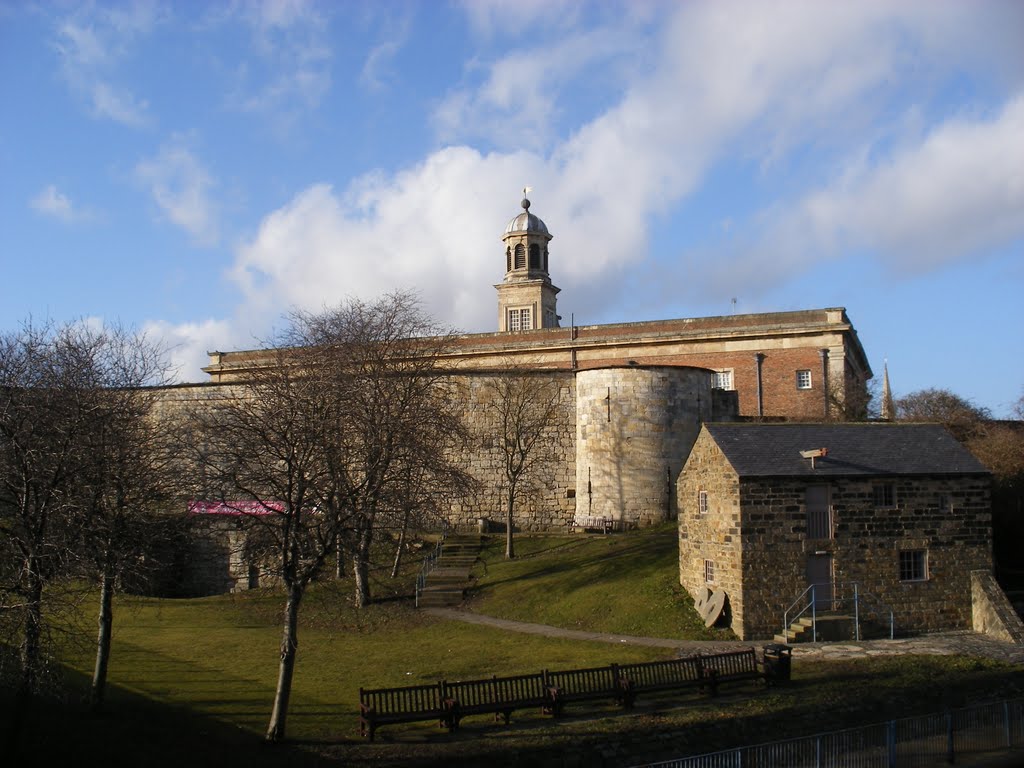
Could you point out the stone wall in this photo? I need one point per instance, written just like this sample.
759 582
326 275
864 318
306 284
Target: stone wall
634 430
755 531
549 498
993 613
715 535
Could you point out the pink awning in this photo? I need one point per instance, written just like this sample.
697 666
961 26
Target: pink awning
234 507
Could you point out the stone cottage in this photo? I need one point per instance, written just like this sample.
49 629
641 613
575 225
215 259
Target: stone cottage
896 514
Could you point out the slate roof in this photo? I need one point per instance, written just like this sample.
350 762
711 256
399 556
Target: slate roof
767 450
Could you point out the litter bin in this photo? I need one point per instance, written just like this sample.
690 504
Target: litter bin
778 660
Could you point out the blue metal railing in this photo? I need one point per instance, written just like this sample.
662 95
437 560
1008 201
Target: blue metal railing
984 731
819 598
430 562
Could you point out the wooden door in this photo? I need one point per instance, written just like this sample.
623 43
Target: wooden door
819 575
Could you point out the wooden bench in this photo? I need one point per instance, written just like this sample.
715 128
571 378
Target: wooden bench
498 695
384 706
732 667
583 685
671 675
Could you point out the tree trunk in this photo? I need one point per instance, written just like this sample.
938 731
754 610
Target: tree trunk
510 549
286 670
339 564
30 652
106 623
401 546
361 567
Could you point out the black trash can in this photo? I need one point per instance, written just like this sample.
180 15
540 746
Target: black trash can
778 660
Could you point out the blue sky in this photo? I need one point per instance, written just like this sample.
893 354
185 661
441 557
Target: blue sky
196 169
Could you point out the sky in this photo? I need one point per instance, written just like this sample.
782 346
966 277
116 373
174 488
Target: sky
197 169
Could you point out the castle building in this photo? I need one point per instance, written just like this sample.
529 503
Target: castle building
633 395
648 428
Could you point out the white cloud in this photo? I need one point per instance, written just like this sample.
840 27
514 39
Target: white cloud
725 79
180 186
92 44
377 67
290 65
504 18
55 204
187 344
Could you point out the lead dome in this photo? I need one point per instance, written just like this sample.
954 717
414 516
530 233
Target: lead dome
526 222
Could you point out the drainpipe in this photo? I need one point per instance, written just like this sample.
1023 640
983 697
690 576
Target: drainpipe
759 360
824 381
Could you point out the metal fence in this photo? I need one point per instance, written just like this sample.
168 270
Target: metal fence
913 742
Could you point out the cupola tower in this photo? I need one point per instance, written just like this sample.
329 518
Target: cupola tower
526 297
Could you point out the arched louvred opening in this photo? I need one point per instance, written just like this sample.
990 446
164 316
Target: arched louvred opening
545 259
534 256
520 256
508 259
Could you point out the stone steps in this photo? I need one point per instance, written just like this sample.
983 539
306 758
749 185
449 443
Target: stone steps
446 584
830 627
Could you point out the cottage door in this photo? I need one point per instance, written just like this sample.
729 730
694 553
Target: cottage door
819 575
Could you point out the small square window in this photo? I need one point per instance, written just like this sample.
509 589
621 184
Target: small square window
884 495
803 379
709 571
520 319
722 379
914 565
702 502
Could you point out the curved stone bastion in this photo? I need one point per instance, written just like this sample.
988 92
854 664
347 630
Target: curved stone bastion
635 426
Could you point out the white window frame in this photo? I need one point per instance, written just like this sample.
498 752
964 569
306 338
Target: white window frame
702 502
723 379
804 379
709 571
516 317
913 565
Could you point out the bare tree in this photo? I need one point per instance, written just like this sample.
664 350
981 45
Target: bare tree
65 395
526 408
330 440
265 444
129 476
46 380
390 458
958 414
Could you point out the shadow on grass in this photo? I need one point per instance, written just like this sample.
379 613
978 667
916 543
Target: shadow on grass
135 731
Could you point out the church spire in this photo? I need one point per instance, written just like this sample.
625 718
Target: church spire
888 407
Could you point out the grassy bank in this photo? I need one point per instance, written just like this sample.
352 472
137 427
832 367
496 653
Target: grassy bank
625 584
192 680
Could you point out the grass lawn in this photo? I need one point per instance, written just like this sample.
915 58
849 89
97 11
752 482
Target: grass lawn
622 583
192 680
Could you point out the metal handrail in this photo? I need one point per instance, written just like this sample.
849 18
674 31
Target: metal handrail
430 562
839 590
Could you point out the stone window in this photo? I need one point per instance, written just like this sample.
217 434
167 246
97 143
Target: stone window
520 319
702 502
709 571
520 256
803 379
884 495
914 565
722 379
